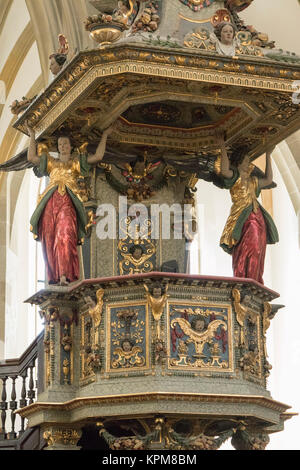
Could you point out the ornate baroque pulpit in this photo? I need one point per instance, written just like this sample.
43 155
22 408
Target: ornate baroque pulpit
138 350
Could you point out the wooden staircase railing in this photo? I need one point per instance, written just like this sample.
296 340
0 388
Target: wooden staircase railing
19 386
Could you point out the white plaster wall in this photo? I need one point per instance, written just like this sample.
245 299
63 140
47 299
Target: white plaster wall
17 19
213 207
284 340
279 19
21 275
27 75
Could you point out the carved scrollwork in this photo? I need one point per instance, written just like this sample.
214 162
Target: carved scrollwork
199 338
66 437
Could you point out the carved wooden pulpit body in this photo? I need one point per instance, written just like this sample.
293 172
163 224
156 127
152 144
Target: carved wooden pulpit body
140 351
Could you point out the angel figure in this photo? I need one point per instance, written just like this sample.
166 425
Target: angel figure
157 302
249 227
60 220
95 311
241 312
58 59
128 355
224 39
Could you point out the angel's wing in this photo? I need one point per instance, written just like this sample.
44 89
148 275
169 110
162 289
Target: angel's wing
196 336
17 163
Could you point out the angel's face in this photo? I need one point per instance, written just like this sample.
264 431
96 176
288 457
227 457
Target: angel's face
54 66
199 325
227 35
157 292
126 346
137 253
244 166
64 146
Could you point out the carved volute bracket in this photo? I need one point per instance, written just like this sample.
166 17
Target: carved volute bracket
244 440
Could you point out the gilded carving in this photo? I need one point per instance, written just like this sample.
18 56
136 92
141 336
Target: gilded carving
269 311
137 258
198 337
50 315
157 301
90 336
250 363
126 443
128 356
160 352
240 312
198 442
96 315
62 85
66 370
249 339
62 437
67 318
136 250
196 5
127 337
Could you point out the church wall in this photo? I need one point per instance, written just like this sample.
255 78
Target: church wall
15 23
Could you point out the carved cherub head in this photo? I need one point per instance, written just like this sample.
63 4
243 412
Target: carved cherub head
158 290
225 32
56 62
198 323
138 166
136 251
126 345
58 59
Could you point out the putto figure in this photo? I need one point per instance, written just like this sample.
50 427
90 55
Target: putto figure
60 220
58 59
224 39
249 227
157 301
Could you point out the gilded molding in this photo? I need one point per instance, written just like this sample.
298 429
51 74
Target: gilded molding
89 67
78 403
